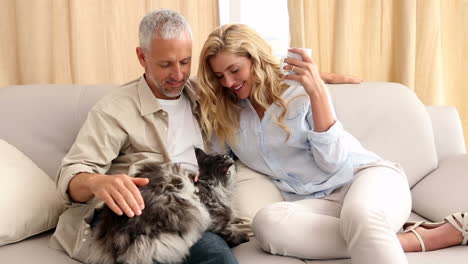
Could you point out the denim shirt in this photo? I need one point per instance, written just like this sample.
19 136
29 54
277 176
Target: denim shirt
309 163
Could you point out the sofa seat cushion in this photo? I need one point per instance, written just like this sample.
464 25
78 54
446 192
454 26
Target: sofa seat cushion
34 250
452 255
30 203
247 253
443 191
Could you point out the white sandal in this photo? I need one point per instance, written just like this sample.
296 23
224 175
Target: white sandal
458 220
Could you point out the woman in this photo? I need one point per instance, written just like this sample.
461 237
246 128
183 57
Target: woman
337 193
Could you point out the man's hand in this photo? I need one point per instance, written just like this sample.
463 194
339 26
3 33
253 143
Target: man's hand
120 192
339 78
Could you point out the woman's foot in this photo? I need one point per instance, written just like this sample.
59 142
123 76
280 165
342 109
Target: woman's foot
443 236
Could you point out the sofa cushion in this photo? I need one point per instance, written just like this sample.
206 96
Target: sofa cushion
29 203
42 120
37 252
388 119
443 192
253 191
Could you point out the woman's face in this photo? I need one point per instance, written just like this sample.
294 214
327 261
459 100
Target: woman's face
233 72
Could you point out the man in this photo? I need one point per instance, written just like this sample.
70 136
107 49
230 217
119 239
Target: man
130 127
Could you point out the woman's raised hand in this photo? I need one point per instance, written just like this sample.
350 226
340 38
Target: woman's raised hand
307 72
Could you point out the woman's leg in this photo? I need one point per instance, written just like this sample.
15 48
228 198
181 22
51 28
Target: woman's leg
308 229
374 209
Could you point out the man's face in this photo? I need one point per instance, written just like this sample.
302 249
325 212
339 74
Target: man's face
167 65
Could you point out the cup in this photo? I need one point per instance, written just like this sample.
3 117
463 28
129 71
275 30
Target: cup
294 56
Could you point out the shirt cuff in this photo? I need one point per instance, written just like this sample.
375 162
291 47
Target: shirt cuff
66 175
326 137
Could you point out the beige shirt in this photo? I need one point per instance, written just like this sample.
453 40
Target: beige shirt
125 129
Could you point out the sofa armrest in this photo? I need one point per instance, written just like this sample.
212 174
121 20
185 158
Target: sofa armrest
448 131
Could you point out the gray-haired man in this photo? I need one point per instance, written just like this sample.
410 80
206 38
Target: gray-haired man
152 119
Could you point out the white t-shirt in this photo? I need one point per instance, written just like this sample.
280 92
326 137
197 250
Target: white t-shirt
183 131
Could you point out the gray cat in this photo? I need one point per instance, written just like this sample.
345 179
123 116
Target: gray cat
177 212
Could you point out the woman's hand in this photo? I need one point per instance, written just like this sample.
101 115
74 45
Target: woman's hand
307 73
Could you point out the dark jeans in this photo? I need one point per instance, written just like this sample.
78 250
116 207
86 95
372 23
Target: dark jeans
210 249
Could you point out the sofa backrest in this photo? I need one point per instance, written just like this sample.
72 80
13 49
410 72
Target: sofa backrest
390 120
43 120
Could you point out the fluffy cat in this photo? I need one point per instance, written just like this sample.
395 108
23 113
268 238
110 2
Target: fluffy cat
177 212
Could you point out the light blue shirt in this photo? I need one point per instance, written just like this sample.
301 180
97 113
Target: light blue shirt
308 163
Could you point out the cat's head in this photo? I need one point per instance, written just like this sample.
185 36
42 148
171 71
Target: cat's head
213 168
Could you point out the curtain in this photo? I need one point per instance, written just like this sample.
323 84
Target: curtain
422 44
85 41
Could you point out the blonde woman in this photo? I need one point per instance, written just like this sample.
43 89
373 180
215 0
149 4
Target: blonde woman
337 194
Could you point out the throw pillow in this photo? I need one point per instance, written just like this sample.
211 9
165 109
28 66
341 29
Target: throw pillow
29 201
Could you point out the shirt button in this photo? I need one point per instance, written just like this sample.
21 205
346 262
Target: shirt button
164 114
86 232
83 240
87 226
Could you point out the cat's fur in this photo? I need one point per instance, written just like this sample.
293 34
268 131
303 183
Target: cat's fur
177 212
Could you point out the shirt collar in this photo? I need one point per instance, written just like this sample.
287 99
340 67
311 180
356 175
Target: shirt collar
149 103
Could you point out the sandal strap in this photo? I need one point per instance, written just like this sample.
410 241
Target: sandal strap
421 241
411 227
408 226
461 225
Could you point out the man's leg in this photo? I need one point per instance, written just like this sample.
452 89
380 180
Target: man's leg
211 249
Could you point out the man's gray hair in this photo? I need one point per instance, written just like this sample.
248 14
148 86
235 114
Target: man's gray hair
164 24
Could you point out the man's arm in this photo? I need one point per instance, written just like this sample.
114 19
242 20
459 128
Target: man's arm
82 175
339 78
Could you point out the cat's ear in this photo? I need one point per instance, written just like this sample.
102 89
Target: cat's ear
199 153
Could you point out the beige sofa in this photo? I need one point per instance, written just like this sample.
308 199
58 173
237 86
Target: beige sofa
42 121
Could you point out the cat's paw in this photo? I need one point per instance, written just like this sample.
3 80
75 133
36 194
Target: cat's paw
238 238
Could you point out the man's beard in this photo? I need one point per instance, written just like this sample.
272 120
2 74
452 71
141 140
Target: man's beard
171 93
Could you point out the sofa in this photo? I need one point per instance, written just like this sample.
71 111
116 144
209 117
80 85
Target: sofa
39 123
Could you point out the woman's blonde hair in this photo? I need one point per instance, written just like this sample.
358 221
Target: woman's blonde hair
219 109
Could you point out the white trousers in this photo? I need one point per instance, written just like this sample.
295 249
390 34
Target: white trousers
359 220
